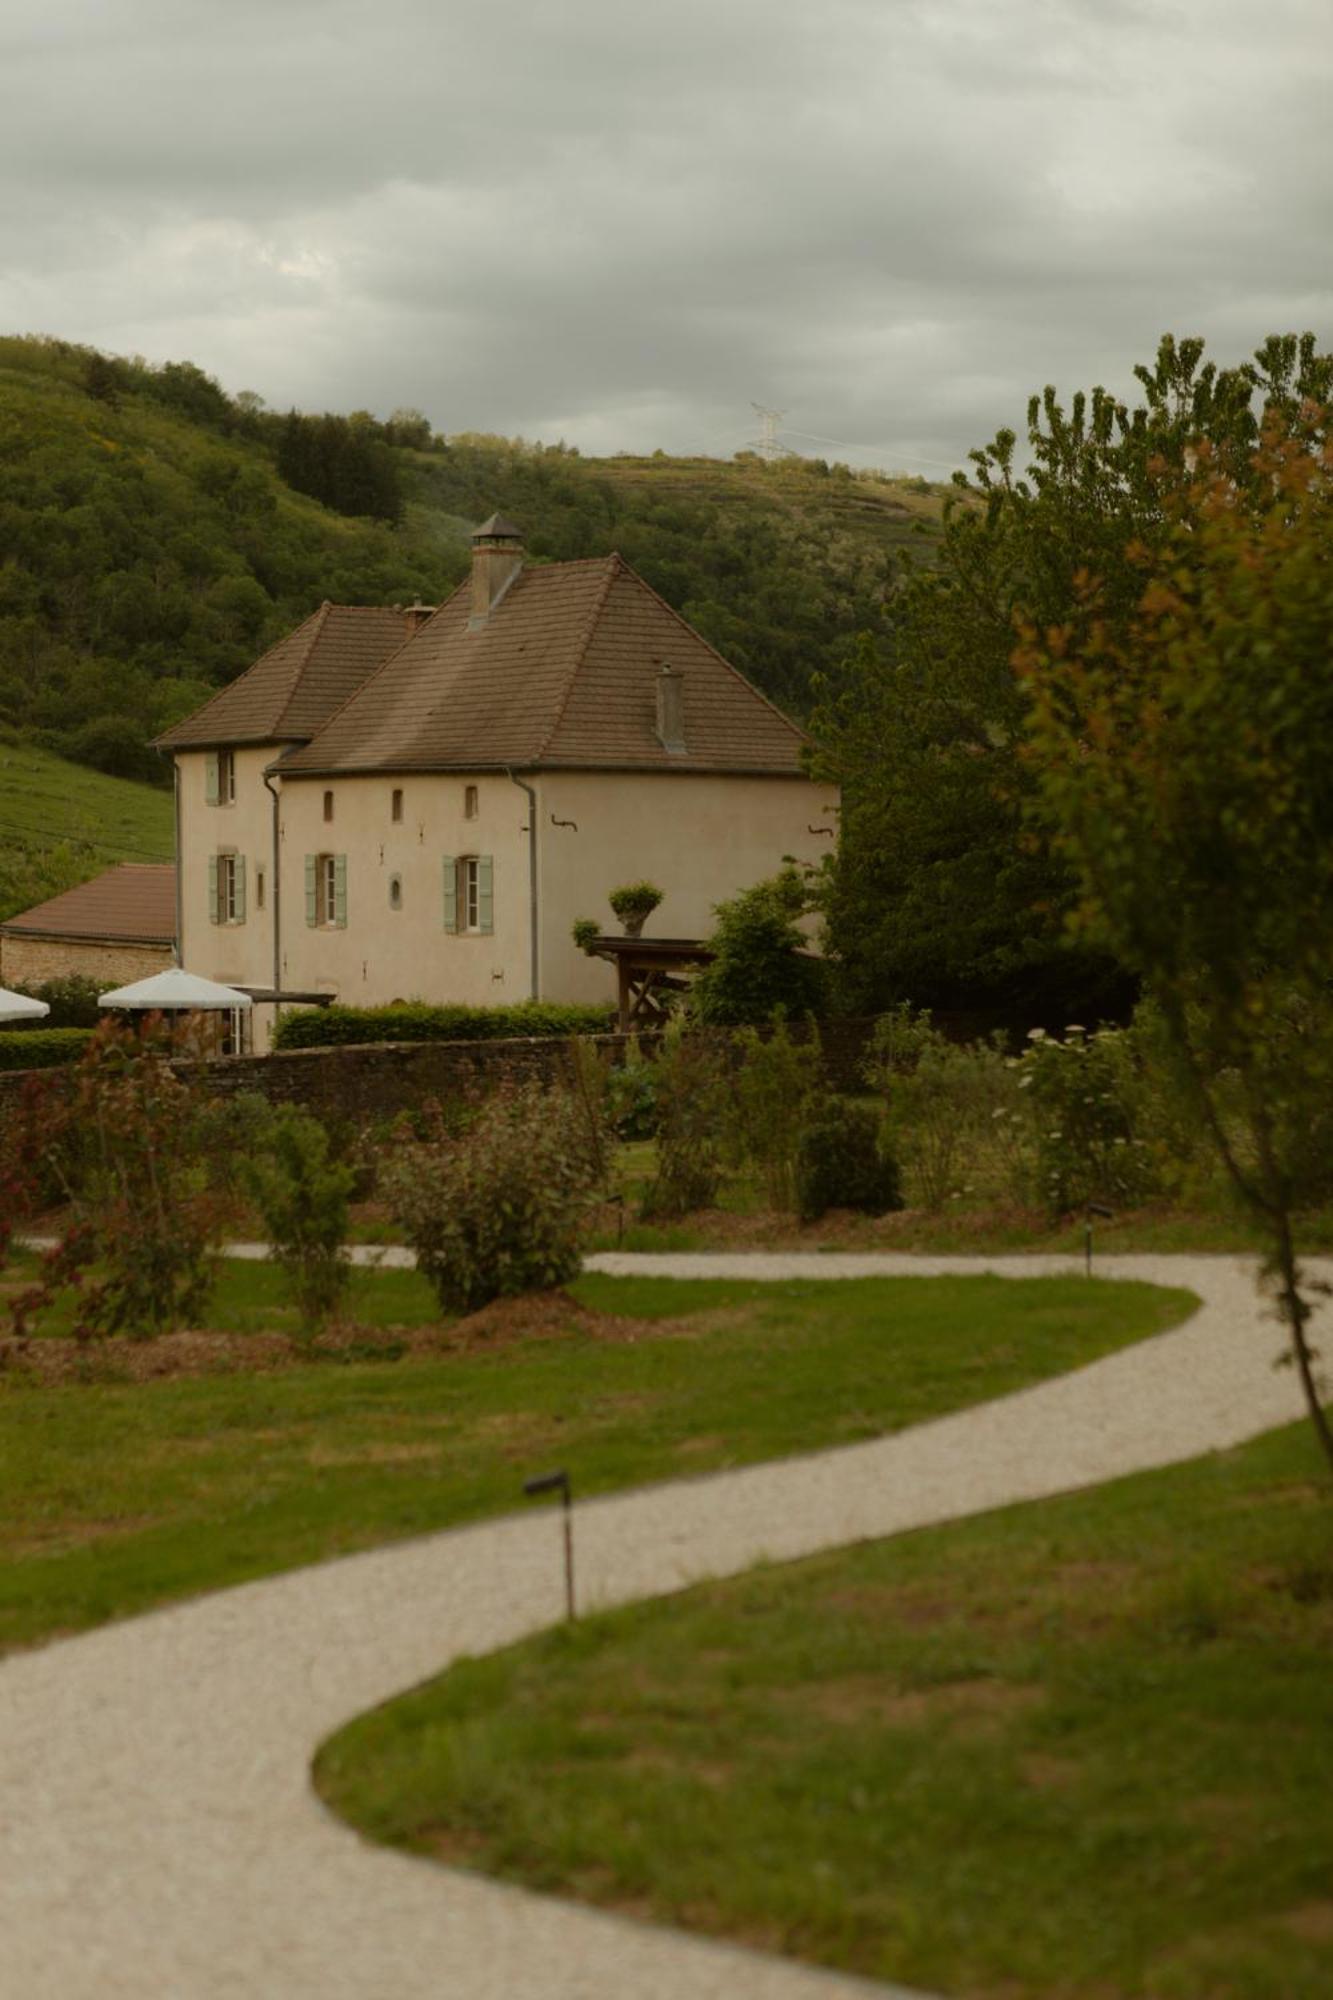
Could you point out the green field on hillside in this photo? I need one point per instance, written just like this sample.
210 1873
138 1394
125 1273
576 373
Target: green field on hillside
60 824
155 541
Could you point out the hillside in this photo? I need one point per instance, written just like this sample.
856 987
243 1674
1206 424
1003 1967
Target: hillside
153 542
59 824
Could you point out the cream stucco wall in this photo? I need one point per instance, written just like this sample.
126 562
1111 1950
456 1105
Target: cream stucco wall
699 838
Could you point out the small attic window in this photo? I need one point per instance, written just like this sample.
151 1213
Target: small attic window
395 892
469 802
396 803
328 805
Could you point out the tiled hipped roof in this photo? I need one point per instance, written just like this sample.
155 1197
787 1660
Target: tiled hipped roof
293 689
562 674
134 904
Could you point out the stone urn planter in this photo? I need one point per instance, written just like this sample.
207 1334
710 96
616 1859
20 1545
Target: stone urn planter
634 904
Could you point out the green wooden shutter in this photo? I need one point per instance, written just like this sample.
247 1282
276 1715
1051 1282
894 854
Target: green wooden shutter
239 865
211 785
340 891
311 891
450 892
485 893
214 910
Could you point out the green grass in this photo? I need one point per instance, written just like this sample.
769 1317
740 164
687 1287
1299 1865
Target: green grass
1070 1751
61 823
115 1497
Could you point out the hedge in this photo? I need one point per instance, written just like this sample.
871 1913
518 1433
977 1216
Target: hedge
42 1048
326 1027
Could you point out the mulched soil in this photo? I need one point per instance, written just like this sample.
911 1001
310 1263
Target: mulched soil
504 1323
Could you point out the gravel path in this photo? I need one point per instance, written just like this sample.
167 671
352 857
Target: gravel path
159 1838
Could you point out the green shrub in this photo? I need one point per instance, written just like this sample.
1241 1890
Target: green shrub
945 1102
72 1000
634 903
126 1135
41 1048
692 1088
502 1207
631 1094
772 1088
839 1163
302 1195
760 959
326 1027
585 932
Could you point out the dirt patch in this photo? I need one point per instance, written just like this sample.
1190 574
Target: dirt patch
1046 1773
1312 1923
977 1706
504 1323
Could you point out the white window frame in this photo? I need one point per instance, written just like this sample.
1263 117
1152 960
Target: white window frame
326 889
469 895
228 887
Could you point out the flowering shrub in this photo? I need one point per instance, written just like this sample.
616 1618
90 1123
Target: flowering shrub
501 1206
1084 1092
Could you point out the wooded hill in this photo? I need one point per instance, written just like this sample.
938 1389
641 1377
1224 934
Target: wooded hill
156 535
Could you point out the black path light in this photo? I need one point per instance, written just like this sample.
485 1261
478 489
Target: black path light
1093 1208
558 1482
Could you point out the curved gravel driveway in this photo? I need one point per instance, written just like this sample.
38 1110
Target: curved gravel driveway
158 1834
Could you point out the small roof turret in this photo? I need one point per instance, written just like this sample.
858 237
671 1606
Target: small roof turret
497 529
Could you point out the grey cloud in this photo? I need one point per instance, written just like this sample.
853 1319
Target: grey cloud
891 218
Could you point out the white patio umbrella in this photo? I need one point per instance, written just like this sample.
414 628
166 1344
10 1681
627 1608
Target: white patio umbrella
175 992
18 1007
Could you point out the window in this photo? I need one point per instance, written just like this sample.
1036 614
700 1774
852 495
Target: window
259 888
328 805
469 899
236 1038
396 806
226 888
395 892
326 891
469 802
220 778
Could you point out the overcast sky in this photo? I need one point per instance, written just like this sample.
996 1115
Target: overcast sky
622 223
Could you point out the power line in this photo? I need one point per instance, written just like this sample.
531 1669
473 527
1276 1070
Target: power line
845 444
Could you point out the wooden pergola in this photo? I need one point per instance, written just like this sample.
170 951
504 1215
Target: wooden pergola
648 972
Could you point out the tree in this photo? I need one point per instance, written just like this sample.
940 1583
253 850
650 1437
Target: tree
761 961
1184 755
946 887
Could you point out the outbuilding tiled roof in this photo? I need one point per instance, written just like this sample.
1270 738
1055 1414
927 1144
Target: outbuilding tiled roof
292 690
561 675
134 903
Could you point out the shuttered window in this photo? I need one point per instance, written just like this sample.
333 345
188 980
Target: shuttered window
469 894
326 891
226 888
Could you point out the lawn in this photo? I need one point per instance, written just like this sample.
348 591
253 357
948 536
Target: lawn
1078 1750
116 1496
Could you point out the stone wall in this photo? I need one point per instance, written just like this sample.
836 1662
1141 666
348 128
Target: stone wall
372 1080
27 961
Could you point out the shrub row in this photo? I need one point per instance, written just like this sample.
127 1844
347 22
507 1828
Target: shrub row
41 1048
325 1027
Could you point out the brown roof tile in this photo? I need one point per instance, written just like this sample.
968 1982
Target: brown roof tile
562 675
135 903
293 689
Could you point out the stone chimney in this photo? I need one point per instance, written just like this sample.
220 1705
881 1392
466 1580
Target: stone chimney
497 558
671 710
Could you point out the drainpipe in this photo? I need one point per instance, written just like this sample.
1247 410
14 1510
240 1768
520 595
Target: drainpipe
272 791
180 864
532 871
